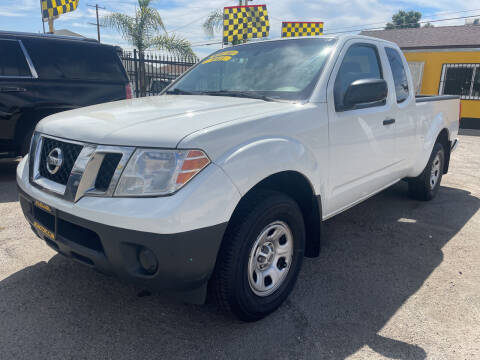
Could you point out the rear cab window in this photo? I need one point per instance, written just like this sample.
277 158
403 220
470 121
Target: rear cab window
68 60
399 74
360 62
12 60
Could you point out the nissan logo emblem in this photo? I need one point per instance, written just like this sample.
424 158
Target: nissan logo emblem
54 160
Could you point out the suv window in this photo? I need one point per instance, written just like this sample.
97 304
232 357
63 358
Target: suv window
12 59
360 62
75 61
399 74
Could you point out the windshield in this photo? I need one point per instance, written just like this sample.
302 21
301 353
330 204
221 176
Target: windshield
271 70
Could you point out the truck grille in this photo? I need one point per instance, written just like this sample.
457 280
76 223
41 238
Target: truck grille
70 154
80 169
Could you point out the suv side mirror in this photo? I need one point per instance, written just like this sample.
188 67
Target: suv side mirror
364 93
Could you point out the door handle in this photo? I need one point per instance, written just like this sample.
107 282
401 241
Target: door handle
388 122
12 89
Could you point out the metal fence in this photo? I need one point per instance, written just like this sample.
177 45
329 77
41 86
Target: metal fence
150 73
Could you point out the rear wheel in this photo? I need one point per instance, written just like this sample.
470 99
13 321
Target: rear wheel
425 186
261 256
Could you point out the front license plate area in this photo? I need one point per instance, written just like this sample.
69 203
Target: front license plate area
44 220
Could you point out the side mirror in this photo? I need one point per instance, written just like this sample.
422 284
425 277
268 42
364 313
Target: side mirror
365 92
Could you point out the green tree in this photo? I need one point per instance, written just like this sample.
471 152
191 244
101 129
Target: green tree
145 31
404 20
428 25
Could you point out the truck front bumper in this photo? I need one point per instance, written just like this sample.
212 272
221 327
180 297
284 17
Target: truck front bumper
165 244
180 264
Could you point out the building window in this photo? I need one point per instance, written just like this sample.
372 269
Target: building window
462 80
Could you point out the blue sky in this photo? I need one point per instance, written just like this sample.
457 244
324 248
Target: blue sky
185 17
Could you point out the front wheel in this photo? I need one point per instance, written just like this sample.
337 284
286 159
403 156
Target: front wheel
261 256
425 186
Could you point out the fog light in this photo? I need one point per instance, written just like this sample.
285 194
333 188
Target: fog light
148 260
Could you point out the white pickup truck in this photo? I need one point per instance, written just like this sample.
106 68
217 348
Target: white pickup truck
222 182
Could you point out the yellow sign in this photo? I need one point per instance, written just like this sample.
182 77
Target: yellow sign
245 22
53 8
44 230
295 29
223 56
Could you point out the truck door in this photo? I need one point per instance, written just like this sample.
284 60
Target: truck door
362 140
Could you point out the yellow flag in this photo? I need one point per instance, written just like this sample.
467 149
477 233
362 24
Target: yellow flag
294 29
245 22
54 8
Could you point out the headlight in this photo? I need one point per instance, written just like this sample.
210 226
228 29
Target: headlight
152 172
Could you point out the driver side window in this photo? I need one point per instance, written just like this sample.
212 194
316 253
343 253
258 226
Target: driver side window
360 62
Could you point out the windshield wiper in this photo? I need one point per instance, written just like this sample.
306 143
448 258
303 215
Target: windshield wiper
240 94
177 91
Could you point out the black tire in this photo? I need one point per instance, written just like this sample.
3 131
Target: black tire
25 145
421 187
230 285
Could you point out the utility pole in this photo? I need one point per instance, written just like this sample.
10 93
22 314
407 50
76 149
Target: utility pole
97 24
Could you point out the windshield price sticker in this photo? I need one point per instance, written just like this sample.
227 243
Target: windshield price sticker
223 56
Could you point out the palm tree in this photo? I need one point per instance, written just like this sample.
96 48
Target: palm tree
213 23
144 31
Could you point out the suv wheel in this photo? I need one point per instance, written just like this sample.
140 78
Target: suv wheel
425 186
261 256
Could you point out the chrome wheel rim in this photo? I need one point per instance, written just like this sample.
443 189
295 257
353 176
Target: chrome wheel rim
270 259
436 171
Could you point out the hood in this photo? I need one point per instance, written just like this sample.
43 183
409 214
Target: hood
159 121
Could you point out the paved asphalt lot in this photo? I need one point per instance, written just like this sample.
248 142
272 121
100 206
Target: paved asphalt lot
396 279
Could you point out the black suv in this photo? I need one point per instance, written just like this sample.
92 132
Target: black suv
44 74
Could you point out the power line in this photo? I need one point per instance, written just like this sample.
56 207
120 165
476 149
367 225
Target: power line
401 26
188 24
432 14
382 22
363 29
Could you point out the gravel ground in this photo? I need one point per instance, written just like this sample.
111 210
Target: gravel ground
396 279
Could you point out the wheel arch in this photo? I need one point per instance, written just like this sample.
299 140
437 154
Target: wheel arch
299 188
436 134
